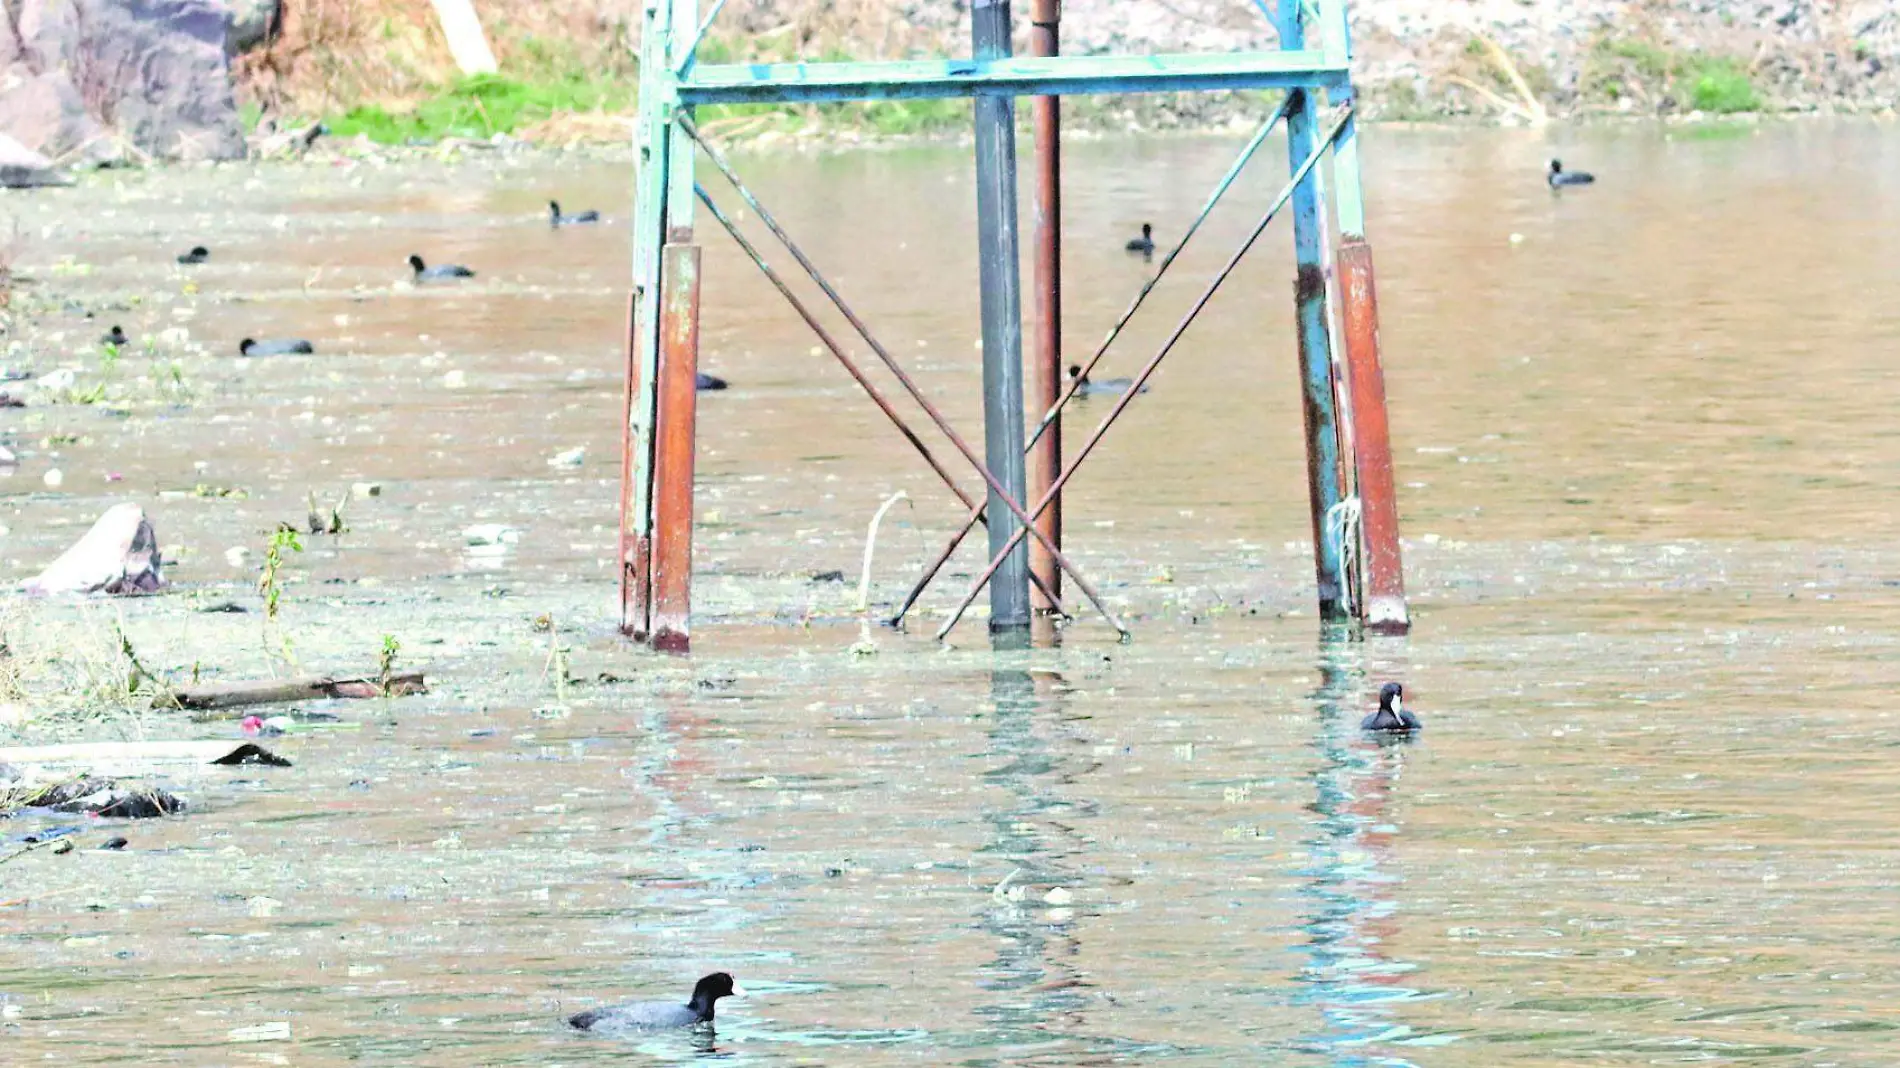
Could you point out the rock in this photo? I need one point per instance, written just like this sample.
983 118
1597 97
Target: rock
292 142
363 491
491 534
79 75
118 555
54 478
253 22
102 797
23 168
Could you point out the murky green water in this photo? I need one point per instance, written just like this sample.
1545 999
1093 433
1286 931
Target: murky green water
1644 454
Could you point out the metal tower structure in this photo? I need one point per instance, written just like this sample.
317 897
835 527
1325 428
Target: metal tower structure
1022 471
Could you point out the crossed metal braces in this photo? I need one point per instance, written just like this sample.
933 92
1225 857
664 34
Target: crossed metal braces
1027 518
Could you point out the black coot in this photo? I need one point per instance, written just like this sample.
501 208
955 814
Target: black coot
116 338
1145 244
635 1016
426 273
281 347
1558 176
555 218
705 382
198 254
1391 718
1106 387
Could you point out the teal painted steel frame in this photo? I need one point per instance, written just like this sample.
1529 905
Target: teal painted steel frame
1325 481
672 84
765 83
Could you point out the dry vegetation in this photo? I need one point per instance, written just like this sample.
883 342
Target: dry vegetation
71 670
333 55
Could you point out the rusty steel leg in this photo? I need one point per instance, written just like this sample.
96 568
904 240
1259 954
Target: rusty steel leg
673 448
1384 609
1045 460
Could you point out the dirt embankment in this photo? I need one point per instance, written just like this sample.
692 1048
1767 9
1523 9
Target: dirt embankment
1417 58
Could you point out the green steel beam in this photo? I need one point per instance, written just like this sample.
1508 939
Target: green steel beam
1017 76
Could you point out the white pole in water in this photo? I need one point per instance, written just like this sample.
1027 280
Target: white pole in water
467 43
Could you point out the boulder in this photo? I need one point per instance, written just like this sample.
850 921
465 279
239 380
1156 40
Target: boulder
118 555
252 23
83 75
23 168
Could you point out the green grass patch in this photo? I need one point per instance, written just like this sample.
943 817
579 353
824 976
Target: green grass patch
482 106
1720 87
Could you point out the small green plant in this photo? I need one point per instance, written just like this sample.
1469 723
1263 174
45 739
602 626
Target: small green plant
139 678
557 667
386 662
283 540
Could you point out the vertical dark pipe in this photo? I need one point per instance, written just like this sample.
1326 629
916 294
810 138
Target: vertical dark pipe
1046 459
1002 318
633 571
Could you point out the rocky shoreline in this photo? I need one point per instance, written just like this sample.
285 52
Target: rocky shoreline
105 81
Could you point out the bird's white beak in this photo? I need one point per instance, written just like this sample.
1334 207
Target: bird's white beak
1397 704
738 991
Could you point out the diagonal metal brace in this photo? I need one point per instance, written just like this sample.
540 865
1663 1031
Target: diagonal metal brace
910 386
1299 175
850 366
1055 411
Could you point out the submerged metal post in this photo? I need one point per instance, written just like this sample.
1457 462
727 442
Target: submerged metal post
1382 602
674 448
652 144
663 216
1046 452
998 274
1316 371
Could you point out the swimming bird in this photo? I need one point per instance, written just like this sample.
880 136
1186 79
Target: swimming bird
1558 176
1145 244
116 338
284 347
1391 718
555 218
659 1015
1103 388
704 382
426 273
198 254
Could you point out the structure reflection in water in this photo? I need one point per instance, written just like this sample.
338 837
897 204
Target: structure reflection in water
1350 977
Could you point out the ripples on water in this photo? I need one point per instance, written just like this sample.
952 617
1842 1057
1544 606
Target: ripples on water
1646 456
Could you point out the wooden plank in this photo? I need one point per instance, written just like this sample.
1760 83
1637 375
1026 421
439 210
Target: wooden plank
279 691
